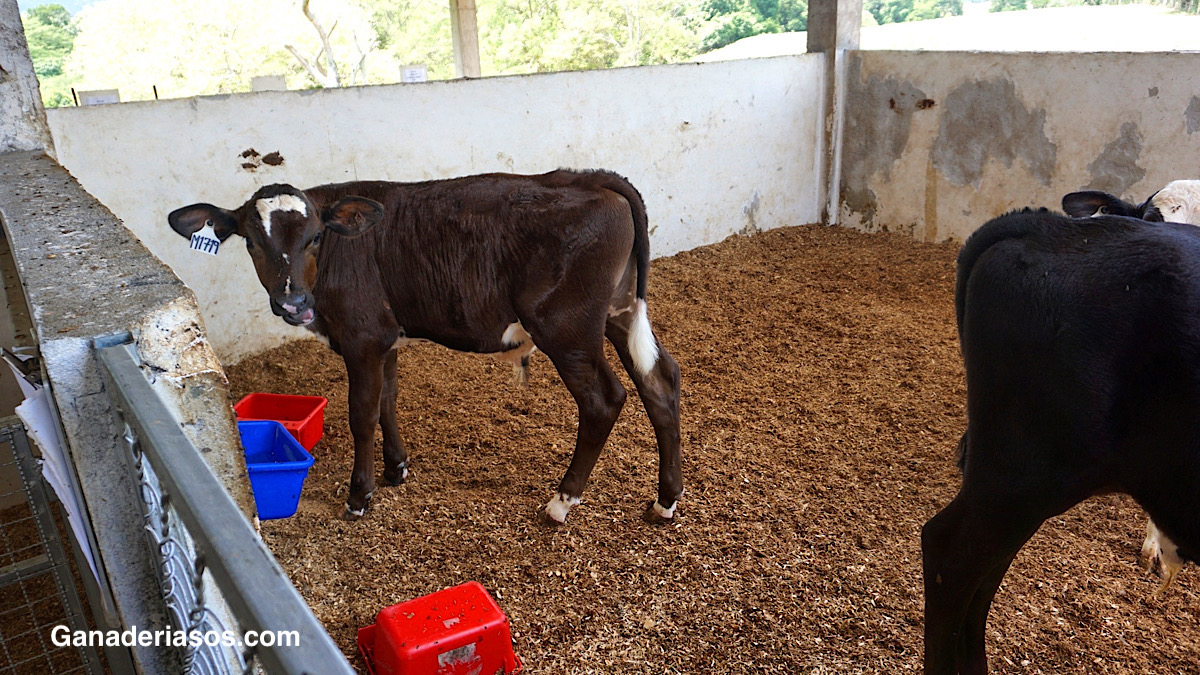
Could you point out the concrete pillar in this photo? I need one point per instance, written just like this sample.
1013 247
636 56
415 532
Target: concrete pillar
834 26
22 119
465 33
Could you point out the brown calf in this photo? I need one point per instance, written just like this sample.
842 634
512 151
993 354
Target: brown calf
493 264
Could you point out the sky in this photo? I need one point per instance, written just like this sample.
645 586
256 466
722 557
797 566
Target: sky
73 6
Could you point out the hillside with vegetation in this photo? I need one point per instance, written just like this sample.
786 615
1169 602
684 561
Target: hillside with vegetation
177 48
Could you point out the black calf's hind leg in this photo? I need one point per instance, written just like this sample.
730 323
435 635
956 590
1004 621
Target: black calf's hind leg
659 391
395 456
600 397
966 549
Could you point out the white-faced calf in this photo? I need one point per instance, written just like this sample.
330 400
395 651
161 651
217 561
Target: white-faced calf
495 264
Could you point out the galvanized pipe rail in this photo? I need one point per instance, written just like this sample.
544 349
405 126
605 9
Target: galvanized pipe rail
254 586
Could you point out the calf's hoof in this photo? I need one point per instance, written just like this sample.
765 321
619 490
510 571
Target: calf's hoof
397 476
349 513
555 513
655 514
546 520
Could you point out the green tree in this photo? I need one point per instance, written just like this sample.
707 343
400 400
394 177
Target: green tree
889 11
413 32
935 9
51 37
185 48
737 19
1007 5
522 36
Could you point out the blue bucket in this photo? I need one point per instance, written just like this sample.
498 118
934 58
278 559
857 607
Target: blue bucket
277 465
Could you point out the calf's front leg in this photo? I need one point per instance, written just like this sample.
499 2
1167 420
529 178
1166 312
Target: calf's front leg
365 373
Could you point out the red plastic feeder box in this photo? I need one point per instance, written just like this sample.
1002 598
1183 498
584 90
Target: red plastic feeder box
456 631
302 416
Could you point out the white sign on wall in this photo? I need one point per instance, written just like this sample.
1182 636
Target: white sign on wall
99 96
268 83
414 73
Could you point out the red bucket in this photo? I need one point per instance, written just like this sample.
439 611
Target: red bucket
302 416
455 631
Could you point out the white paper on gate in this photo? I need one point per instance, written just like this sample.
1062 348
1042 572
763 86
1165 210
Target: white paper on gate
42 425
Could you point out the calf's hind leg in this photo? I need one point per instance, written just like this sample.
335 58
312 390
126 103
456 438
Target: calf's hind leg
659 391
966 549
600 398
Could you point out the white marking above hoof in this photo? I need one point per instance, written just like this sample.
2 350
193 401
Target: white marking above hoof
559 507
656 514
1160 556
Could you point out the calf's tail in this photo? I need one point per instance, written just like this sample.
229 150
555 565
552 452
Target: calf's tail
643 346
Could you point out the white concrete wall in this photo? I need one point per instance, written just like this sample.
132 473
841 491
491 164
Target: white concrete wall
714 148
937 143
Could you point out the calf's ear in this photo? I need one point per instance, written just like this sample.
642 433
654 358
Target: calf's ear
351 216
1090 203
1147 211
191 219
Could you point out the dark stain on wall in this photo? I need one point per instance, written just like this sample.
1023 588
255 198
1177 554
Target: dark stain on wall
1192 115
1116 169
986 119
878 115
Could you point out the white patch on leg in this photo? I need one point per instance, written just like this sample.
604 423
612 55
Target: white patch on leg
643 348
665 514
1160 555
520 346
356 513
269 205
560 506
515 335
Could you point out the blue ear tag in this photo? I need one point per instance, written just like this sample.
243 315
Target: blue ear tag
205 241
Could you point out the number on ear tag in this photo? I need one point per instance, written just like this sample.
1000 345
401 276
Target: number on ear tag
205 240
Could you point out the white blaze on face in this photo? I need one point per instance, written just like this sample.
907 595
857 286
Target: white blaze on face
1179 202
269 205
560 506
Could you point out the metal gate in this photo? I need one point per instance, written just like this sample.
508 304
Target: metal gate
37 589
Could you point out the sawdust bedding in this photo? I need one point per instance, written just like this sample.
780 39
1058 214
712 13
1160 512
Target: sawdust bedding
822 399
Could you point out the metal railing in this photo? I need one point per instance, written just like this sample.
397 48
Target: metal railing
199 533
